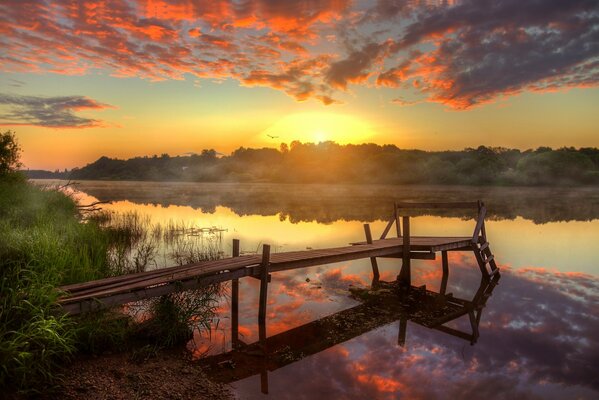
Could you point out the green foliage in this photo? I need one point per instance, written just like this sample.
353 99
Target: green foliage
329 162
43 245
174 317
563 166
10 153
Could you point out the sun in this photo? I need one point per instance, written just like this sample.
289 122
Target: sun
319 127
320 136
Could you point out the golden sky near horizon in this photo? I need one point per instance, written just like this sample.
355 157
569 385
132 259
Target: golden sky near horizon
130 78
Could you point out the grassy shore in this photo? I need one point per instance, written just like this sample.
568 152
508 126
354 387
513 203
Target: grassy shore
45 243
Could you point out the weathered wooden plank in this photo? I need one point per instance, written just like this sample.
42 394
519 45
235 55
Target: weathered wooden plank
93 304
375 267
105 282
140 284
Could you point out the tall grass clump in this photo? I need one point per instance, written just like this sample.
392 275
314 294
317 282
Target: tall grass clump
42 245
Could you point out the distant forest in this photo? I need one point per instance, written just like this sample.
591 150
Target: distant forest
329 162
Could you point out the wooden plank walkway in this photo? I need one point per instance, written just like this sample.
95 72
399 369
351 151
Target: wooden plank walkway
118 290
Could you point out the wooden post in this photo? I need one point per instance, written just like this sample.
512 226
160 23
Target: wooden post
405 275
397 224
235 302
445 277
373 262
263 293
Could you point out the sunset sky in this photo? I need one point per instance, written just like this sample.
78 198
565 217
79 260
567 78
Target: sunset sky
82 79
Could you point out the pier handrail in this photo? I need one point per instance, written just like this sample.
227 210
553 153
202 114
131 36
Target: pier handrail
479 229
480 225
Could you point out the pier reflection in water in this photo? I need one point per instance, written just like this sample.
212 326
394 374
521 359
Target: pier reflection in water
379 307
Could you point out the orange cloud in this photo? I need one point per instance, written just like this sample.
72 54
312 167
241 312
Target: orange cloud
458 54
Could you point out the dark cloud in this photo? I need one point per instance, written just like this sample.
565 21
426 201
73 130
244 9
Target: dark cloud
356 67
485 49
50 112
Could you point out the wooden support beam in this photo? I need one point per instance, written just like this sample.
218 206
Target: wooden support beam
263 294
388 227
235 302
445 277
479 225
375 267
405 275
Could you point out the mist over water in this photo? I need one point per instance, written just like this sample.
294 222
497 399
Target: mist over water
537 332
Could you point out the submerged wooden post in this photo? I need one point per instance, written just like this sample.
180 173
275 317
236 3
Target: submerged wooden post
445 276
235 302
263 293
373 262
405 275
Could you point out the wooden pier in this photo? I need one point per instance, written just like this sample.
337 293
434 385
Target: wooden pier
108 292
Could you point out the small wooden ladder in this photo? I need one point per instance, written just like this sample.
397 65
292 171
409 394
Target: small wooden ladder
480 246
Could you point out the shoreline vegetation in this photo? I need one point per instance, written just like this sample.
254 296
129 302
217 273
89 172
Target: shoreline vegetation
329 162
48 240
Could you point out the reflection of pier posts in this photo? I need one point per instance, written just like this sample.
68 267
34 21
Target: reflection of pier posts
235 302
401 336
405 275
263 293
445 276
264 375
373 262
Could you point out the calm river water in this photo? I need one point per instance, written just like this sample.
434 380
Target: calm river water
539 332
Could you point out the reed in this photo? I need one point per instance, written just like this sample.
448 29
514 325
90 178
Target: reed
44 243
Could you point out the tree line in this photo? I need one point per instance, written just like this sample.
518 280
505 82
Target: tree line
329 162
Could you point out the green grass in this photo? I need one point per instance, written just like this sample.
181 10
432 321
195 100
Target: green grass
45 243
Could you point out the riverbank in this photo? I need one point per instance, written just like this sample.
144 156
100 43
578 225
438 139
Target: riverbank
165 374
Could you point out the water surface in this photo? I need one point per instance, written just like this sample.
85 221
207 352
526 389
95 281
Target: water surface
538 331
